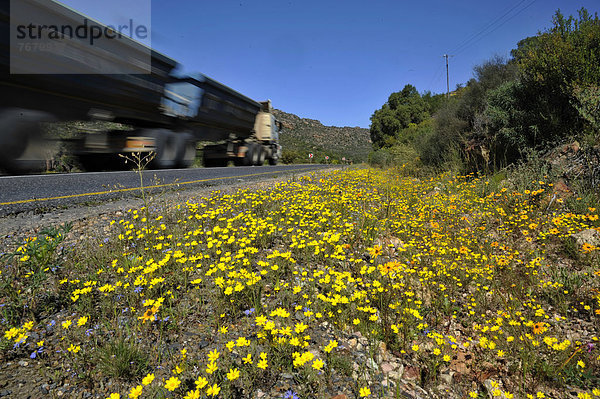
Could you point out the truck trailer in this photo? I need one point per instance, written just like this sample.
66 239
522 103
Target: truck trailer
165 113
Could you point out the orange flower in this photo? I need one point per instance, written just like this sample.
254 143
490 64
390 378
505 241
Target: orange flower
539 328
148 315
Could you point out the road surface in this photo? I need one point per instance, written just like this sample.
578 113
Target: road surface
43 192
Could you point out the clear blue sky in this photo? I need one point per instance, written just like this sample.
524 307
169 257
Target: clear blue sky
336 61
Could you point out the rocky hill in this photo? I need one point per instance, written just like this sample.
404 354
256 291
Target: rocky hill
301 136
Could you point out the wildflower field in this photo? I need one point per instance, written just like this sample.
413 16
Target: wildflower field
362 282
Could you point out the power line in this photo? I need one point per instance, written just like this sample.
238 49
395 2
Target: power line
487 26
498 27
436 75
477 36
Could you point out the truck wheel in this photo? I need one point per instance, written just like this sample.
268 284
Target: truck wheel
164 148
22 147
273 161
252 154
186 150
261 155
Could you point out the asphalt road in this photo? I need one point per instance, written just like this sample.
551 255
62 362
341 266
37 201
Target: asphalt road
43 192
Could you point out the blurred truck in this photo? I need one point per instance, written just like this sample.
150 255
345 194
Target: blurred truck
165 113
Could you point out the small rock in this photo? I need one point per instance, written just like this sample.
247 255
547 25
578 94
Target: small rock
396 374
411 373
386 368
339 396
23 363
447 378
371 364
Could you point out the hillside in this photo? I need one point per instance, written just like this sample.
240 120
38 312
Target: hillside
302 136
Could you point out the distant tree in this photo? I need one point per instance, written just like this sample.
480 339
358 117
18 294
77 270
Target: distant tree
434 101
402 109
384 126
289 156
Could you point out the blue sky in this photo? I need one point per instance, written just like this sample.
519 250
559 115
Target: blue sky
335 61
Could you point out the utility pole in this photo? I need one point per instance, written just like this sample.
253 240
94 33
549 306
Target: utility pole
447 77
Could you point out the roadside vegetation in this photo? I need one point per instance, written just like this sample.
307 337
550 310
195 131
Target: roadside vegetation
362 282
545 95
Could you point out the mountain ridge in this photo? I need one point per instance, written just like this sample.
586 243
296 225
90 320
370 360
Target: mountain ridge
301 136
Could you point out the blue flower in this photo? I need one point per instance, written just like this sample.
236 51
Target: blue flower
289 394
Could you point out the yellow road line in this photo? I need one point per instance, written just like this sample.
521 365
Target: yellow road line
122 190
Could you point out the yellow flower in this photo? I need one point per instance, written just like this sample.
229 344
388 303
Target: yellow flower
135 393
82 320
233 374
262 364
364 392
213 355
74 349
66 324
247 359
415 347
332 344
114 396
201 382
195 394
318 364
172 383
213 390
148 379
211 367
